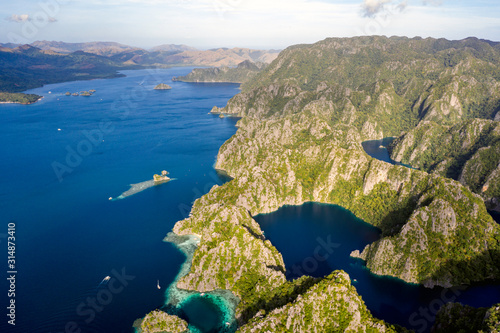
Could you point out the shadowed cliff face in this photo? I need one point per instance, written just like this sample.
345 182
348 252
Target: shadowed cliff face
455 317
468 151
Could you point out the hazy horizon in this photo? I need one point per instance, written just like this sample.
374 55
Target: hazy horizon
227 47
256 24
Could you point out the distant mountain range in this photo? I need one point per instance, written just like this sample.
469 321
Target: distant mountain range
174 48
162 55
27 66
100 48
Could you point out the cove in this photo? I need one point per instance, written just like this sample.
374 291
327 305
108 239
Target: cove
378 149
70 236
300 233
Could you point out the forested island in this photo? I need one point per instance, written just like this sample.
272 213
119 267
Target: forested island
304 118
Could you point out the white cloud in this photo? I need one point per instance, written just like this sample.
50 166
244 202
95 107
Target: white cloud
25 18
19 18
371 8
432 2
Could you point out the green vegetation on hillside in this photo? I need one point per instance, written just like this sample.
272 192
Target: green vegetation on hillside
381 85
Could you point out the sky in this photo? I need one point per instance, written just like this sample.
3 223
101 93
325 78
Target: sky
262 24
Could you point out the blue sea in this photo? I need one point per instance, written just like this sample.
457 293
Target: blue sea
64 157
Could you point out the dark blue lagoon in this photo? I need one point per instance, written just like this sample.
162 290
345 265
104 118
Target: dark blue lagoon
64 157
316 239
378 149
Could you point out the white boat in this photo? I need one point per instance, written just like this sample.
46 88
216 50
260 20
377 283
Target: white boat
106 279
158 284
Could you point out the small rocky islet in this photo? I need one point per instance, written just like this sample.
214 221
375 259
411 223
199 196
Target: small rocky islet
162 86
84 93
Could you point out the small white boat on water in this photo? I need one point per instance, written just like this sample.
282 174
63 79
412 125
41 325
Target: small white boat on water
105 280
158 284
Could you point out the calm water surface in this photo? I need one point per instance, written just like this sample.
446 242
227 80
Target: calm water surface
63 157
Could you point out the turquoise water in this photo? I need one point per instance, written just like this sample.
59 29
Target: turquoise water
55 186
316 239
205 312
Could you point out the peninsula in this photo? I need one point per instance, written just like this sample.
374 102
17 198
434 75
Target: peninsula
244 72
304 118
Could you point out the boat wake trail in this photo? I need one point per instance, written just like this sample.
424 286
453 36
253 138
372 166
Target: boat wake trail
139 187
